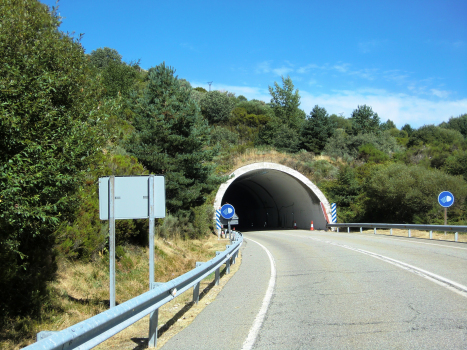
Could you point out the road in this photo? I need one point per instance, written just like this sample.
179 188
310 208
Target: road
320 290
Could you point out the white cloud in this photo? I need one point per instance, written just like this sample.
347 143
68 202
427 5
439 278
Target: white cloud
440 93
282 71
247 91
264 67
400 108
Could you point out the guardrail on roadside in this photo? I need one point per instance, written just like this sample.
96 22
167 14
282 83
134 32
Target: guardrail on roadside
101 327
431 228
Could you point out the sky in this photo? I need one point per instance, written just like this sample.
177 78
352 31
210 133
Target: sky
406 59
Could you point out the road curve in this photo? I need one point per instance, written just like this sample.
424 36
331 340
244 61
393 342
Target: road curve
339 291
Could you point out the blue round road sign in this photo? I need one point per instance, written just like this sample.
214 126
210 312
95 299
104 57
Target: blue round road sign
446 199
227 211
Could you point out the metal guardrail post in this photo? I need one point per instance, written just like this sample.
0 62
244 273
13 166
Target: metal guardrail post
218 276
227 263
153 322
196 287
93 331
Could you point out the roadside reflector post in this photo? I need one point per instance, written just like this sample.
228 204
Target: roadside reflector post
390 232
361 229
456 236
375 231
431 234
348 229
410 234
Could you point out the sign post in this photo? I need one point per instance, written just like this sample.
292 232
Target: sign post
131 197
445 199
227 212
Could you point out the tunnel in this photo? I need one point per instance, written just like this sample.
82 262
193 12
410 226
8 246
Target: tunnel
273 196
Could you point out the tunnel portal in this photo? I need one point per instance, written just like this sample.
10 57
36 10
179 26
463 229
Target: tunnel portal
269 196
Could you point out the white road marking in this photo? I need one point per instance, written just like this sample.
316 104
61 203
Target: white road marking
442 281
439 245
253 333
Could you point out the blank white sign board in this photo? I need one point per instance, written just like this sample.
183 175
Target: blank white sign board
132 197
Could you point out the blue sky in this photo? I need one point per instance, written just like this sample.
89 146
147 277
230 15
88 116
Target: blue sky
405 59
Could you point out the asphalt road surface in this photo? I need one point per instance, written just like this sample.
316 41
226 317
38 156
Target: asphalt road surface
321 290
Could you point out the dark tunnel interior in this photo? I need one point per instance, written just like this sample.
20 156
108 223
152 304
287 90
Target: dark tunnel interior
272 199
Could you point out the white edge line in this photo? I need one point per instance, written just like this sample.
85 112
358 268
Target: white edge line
254 330
451 285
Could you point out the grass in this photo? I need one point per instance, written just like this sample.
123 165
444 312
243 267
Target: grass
81 291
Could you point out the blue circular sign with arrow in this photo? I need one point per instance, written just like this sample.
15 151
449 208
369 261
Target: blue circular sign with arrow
227 211
446 199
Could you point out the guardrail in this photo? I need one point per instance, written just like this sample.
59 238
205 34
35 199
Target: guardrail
95 330
431 228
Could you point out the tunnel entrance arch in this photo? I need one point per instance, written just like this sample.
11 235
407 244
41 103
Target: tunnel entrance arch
273 196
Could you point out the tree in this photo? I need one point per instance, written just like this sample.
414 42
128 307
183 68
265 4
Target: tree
170 139
388 125
435 135
48 137
459 124
117 76
285 103
408 129
407 194
342 123
365 121
316 130
216 107
102 57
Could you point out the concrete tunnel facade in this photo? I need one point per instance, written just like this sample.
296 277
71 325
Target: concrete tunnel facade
273 196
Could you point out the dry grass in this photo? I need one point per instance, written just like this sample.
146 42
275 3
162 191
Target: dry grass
82 290
173 316
441 236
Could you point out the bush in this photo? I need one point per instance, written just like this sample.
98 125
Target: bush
398 193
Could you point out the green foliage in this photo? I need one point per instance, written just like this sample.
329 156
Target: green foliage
408 129
87 235
216 107
456 163
48 138
117 76
170 139
370 153
435 135
459 123
365 121
347 146
285 104
316 130
342 123
398 193
388 125
346 192
102 57
200 89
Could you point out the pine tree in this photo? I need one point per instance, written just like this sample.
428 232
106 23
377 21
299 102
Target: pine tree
170 139
316 130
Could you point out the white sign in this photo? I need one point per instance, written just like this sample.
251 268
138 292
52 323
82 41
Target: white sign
131 198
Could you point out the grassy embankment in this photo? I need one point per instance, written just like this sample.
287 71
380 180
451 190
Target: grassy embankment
81 290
